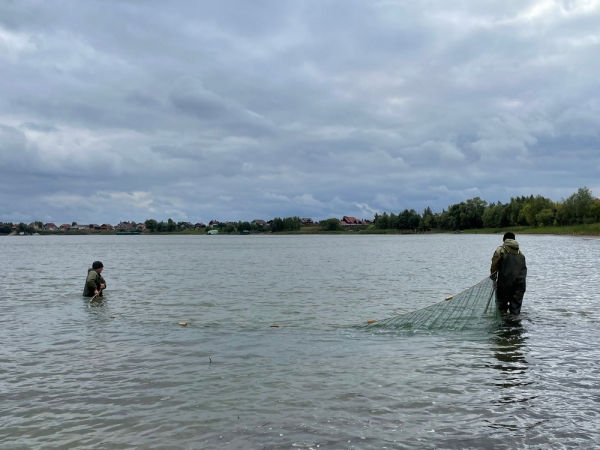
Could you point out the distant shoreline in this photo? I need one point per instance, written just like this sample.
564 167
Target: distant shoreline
574 230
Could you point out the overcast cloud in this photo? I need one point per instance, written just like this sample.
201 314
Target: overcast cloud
237 110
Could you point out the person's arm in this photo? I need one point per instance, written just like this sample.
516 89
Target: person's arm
495 261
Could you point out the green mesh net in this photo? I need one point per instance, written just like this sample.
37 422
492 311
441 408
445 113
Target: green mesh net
455 313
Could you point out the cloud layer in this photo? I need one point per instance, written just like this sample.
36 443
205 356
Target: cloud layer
229 110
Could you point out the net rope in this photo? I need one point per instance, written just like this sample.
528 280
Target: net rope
455 313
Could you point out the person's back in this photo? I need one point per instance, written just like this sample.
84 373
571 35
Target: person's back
94 283
509 269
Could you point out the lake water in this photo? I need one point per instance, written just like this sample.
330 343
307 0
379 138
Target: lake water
123 374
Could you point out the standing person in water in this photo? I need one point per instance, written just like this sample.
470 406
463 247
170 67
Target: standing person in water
94 283
509 271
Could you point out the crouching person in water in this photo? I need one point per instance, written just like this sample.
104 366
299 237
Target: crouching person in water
510 271
94 283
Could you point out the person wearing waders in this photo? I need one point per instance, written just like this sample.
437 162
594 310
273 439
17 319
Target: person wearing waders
509 272
94 283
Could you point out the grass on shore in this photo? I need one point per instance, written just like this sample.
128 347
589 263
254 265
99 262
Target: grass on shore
592 229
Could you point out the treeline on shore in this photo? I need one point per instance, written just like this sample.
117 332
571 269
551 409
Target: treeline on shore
579 209
277 225
537 214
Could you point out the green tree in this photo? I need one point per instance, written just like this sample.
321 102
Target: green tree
171 226
595 211
492 215
532 207
292 224
286 224
545 217
6 228
577 208
151 225
277 225
332 224
382 222
428 220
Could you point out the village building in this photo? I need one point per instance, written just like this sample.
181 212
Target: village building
346 220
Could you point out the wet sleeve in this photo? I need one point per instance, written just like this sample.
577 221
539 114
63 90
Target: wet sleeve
103 281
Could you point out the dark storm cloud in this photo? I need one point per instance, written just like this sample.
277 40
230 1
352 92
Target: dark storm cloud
240 110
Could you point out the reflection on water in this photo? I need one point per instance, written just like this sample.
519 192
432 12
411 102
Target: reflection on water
509 348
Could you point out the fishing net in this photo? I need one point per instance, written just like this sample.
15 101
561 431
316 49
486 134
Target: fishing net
454 313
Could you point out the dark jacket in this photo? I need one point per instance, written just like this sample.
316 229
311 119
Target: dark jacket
509 263
92 283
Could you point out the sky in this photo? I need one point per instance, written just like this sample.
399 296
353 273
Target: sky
234 110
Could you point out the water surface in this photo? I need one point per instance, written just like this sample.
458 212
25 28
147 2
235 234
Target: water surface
124 375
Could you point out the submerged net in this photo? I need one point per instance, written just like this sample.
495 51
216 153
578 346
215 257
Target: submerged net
455 313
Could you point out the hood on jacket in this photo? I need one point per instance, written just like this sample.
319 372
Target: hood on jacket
511 244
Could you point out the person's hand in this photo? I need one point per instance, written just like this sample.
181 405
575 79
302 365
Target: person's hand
96 292
102 286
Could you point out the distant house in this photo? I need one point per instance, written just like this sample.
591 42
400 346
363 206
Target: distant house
106 226
306 221
94 226
50 226
346 220
200 225
65 226
213 223
33 225
124 226
260 222
597 200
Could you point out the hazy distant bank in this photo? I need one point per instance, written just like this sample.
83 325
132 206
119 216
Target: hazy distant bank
577 230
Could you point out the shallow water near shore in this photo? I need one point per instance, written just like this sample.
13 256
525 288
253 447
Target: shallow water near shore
122 374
